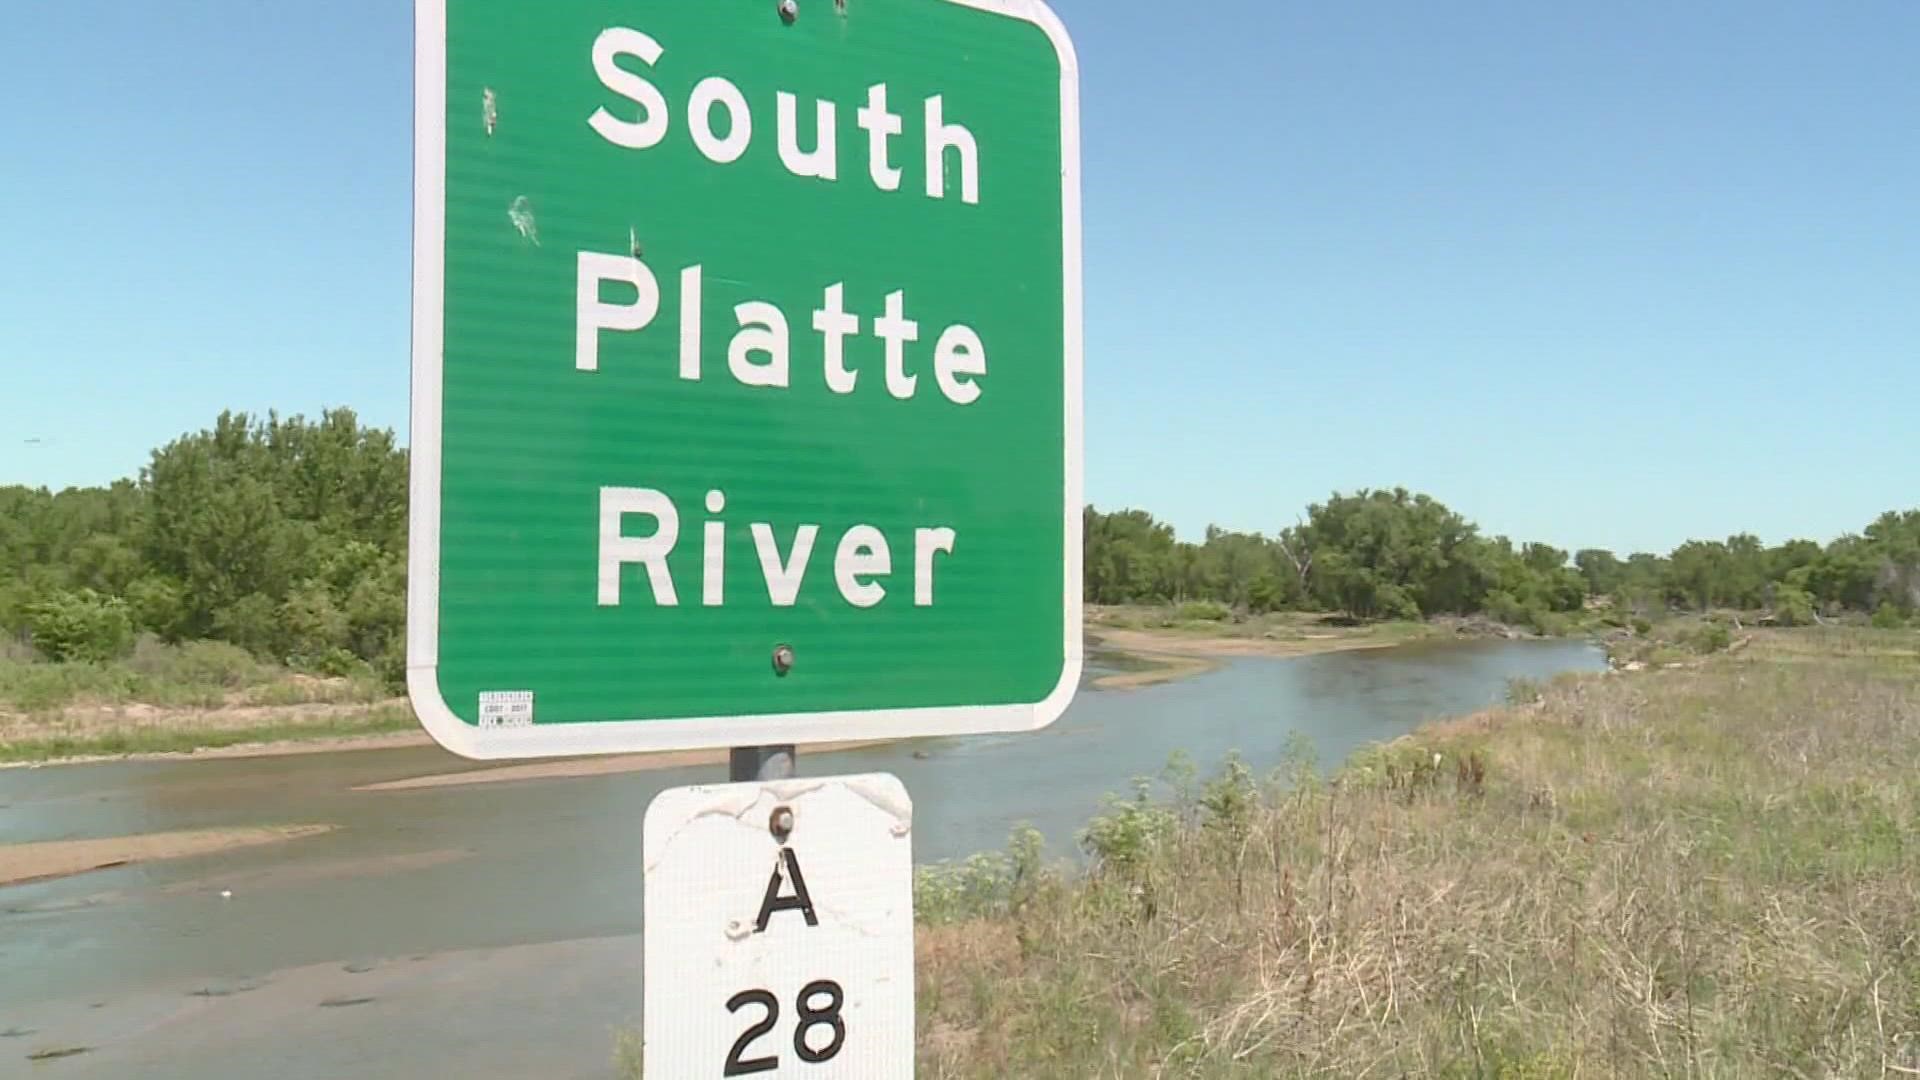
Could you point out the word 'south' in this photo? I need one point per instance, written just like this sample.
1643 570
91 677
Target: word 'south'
862 559
644 118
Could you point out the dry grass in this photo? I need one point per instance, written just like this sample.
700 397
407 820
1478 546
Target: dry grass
90 731
1711 872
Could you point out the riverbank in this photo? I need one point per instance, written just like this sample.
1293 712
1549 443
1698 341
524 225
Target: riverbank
1147 645
236 708
142 731
373 891
1707 870
49 859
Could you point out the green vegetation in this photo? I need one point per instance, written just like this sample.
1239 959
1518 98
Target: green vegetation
1394 555
1210 620
285 538
1708 872
197 675
261 563
167 698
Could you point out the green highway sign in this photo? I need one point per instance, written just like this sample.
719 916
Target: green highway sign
746 373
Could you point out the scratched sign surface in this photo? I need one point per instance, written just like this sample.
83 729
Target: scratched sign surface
739 328
779 930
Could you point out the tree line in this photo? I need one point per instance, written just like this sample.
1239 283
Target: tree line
287 537
1377 554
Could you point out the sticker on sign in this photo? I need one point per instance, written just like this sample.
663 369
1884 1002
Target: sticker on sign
779 930
740 337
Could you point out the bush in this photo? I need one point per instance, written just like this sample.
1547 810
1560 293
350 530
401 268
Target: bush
158 606
1888 617
984 886
1502 606
1792 606
1548 623
1265 594
1204 611
1227 801
337 664
1642 627
209 664
1711 638
83 626
1123 840
251 622
312 626
36 685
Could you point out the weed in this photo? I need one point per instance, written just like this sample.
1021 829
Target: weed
1706 873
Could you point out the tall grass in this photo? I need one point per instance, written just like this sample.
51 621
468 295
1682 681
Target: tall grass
1710 872
55 744
196 675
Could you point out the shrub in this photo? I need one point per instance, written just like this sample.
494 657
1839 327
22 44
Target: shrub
983 886
1711 638
158 606
1792 606
1228 800
1548 623
81 625
251 622
1204 611
1503 606
210 664
1888 617
1123 840
1642 627
336 663
312 626
1265 594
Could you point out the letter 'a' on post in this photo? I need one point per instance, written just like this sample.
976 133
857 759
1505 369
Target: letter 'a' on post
595 314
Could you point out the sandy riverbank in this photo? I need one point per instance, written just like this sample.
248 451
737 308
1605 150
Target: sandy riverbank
39 861
1144 655
1161 656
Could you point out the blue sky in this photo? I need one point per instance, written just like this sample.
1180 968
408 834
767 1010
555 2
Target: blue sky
1617 276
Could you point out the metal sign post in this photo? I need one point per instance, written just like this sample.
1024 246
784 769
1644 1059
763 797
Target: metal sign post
746 764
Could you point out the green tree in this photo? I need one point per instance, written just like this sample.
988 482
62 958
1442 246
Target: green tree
80 625
1603 572
1792 606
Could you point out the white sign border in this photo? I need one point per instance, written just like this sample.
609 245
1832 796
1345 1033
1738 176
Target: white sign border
634 736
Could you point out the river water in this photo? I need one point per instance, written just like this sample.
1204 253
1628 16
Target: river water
500 894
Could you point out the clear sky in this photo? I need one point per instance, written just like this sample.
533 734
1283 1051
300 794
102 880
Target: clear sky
1617 275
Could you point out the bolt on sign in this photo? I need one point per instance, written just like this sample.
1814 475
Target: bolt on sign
746 373
779 930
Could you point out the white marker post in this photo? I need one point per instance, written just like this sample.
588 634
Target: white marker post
780 930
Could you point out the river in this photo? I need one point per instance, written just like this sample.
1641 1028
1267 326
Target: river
492 929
